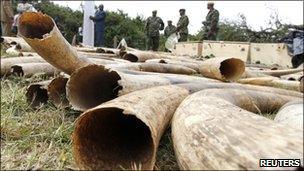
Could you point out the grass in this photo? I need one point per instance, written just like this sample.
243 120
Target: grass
33 138
40 138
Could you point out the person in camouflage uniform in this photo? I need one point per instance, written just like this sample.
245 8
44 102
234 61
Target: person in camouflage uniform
153 25
170 29
182 26
211 23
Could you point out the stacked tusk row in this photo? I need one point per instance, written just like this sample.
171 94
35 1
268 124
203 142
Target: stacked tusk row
128 103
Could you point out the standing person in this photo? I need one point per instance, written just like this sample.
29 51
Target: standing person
211 23
7 17
99 26
182 26
15 23
153 25
80 35
170 29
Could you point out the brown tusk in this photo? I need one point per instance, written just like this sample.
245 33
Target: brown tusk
41 33
226 69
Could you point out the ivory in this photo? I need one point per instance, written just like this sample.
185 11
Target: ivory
29 69
191 65
275 73
7 63
291 114
57 91
25 47
155 67
216 130
101 56
98 50
102 61
51 45
125 132
41 33
226 69
272 82
142 56
293 77
89 49
27 54
111 50
92 85
263 66
50 90
36 93
13 50
135 120
252 74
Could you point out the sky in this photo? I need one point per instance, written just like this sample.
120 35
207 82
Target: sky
256 12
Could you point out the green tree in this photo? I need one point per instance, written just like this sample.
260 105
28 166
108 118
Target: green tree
67 20
119 24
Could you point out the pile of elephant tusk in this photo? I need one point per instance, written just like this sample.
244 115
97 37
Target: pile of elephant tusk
129 97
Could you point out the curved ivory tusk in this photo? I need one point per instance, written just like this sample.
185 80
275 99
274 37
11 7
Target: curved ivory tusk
18 41
125 132
291 114
53 90
92 85
36 93
155 67
212 131
272 82
41 33
7 63
226 69
191 65
29 69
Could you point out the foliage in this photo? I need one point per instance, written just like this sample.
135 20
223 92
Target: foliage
33 139
66 19
119 24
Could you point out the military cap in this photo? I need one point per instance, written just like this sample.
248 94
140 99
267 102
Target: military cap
211 3
154 11
182 9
